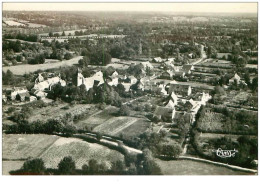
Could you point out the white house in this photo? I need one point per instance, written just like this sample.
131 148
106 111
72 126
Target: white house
89 82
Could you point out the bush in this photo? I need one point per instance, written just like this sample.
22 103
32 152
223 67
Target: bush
67 166
34 167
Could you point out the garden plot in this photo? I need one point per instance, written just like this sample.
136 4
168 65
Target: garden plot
115 125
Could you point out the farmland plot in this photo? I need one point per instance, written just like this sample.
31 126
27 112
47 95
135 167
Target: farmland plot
80 151
17 147
115 125
51 148
98 117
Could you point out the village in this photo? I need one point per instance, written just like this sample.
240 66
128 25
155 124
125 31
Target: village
132 94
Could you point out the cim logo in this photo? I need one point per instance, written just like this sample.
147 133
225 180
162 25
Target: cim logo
225 153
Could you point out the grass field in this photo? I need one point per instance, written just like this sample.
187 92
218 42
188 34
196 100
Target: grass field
18 148
188 167
27 68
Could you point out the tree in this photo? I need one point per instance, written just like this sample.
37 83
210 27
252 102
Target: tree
34 167
51 34
173 150
84 62
68 56
63 34
67 166
124 110
8 77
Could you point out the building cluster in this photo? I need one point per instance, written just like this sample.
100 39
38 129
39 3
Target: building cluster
180 101
39 91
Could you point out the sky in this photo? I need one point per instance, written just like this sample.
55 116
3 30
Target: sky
163 7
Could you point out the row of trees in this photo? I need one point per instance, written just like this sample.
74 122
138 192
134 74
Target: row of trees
143 164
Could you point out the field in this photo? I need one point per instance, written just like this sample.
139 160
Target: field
52 149
80 151
27 68
96 118
188 167
115 125
20 147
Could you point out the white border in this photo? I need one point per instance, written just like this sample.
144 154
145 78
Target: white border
123 184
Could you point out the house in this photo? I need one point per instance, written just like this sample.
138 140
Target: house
158 60
171 60
234 79
16 91
164 113
89 82
187 68
25 96
112 81
163 91
47 84
126 86
178 89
